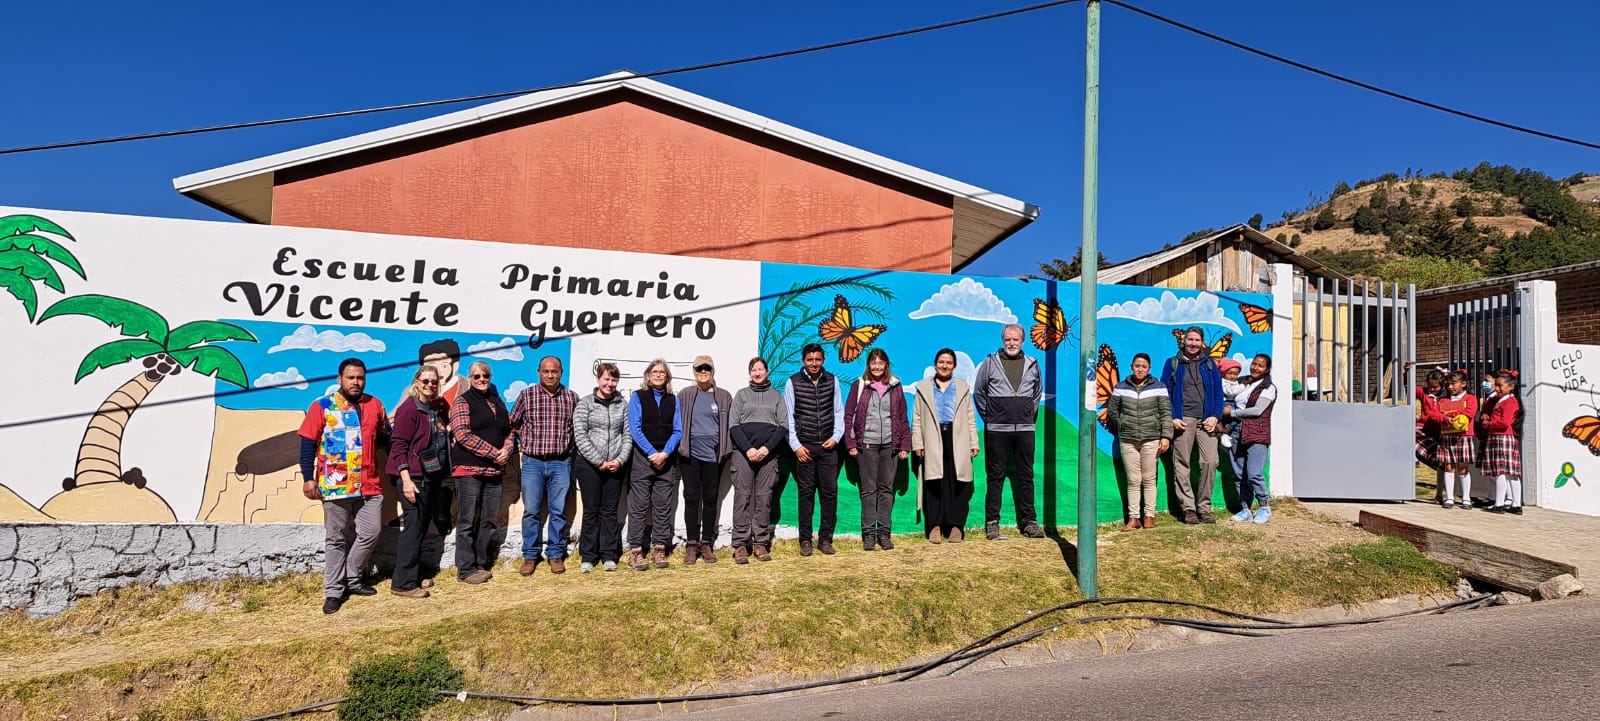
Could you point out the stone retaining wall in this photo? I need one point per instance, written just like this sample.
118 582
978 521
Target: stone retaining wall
46 567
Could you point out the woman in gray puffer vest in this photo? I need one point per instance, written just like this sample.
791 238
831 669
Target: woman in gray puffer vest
1139 413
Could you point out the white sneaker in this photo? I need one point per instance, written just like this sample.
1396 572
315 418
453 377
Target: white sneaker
1225 441
610 565
586 567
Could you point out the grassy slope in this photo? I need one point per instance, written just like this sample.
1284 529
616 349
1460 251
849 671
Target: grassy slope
242 648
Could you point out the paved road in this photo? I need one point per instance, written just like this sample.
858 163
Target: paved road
1530 661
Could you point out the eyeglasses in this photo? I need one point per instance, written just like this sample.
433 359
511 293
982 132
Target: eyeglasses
428 383
478 376
702 369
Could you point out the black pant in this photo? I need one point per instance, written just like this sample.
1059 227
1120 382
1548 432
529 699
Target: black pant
820 477
414 520
1002 448
946 501
601 537
477 510
701 482
652 499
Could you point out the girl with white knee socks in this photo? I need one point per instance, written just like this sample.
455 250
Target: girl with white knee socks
1502 452
1457 446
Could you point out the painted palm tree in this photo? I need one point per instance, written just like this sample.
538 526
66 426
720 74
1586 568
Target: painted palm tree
164 351
26 257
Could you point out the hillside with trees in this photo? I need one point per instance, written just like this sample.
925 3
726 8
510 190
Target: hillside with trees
1439 229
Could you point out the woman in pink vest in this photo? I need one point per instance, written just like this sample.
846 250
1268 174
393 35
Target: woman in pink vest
1253 410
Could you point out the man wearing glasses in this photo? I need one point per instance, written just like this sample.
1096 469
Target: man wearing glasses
543 419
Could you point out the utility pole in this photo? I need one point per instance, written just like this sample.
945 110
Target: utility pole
1088 279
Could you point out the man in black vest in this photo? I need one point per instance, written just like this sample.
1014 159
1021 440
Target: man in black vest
816 423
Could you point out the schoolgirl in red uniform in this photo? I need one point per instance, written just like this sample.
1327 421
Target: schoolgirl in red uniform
1457 446
1502 448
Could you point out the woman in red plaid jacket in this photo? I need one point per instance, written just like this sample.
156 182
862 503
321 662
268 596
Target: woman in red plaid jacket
1502 448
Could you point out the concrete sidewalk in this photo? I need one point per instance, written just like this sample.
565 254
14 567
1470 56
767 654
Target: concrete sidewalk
1507 550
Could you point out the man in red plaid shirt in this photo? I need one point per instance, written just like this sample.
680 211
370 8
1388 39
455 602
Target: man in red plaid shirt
543 420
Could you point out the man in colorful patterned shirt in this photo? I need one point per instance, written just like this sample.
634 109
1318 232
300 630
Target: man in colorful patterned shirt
543 419
339 443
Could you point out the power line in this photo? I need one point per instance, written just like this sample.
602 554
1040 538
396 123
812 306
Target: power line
510 93
1352 81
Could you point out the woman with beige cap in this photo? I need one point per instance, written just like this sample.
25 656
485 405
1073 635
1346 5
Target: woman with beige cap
703 455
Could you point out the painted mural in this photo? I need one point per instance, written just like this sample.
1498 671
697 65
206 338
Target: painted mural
170 361
1568 404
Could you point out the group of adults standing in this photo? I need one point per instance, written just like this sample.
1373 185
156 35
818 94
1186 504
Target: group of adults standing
647 446
657 440
1196 405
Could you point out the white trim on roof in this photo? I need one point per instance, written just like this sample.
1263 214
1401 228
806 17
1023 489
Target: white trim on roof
194 182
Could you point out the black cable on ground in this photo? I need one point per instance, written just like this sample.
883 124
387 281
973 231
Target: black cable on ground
293 711
1256 626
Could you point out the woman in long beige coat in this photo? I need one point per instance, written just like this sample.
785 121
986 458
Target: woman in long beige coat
944 435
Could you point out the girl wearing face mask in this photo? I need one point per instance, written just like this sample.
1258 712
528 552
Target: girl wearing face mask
1502 454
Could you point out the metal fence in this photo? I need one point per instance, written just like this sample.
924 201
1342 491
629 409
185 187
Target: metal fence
1484 336
1357 341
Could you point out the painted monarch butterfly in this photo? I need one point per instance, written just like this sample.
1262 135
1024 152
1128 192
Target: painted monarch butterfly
1585 430
1260 319
1050 324
841 328
1105 381
1218 350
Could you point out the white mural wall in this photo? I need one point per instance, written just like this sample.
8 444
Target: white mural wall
1561 430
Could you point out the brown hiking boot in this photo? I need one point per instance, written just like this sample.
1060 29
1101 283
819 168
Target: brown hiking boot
558 565
410 593
691 553
1149 521
740 555
707 554
658 556
1032 530
528 566
636 560
1190 517
761 553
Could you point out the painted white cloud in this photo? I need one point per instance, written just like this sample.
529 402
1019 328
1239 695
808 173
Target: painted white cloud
968 300
505 349
287 378
965 369
512 391
1203 309
307 338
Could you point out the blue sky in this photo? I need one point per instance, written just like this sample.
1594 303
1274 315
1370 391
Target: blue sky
1194 134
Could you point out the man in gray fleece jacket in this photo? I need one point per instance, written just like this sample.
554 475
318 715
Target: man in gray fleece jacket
1007 390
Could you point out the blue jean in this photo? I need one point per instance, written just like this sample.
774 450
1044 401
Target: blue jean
545 482
1250 467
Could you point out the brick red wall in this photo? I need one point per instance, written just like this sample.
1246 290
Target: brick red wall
623 172
1577 312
